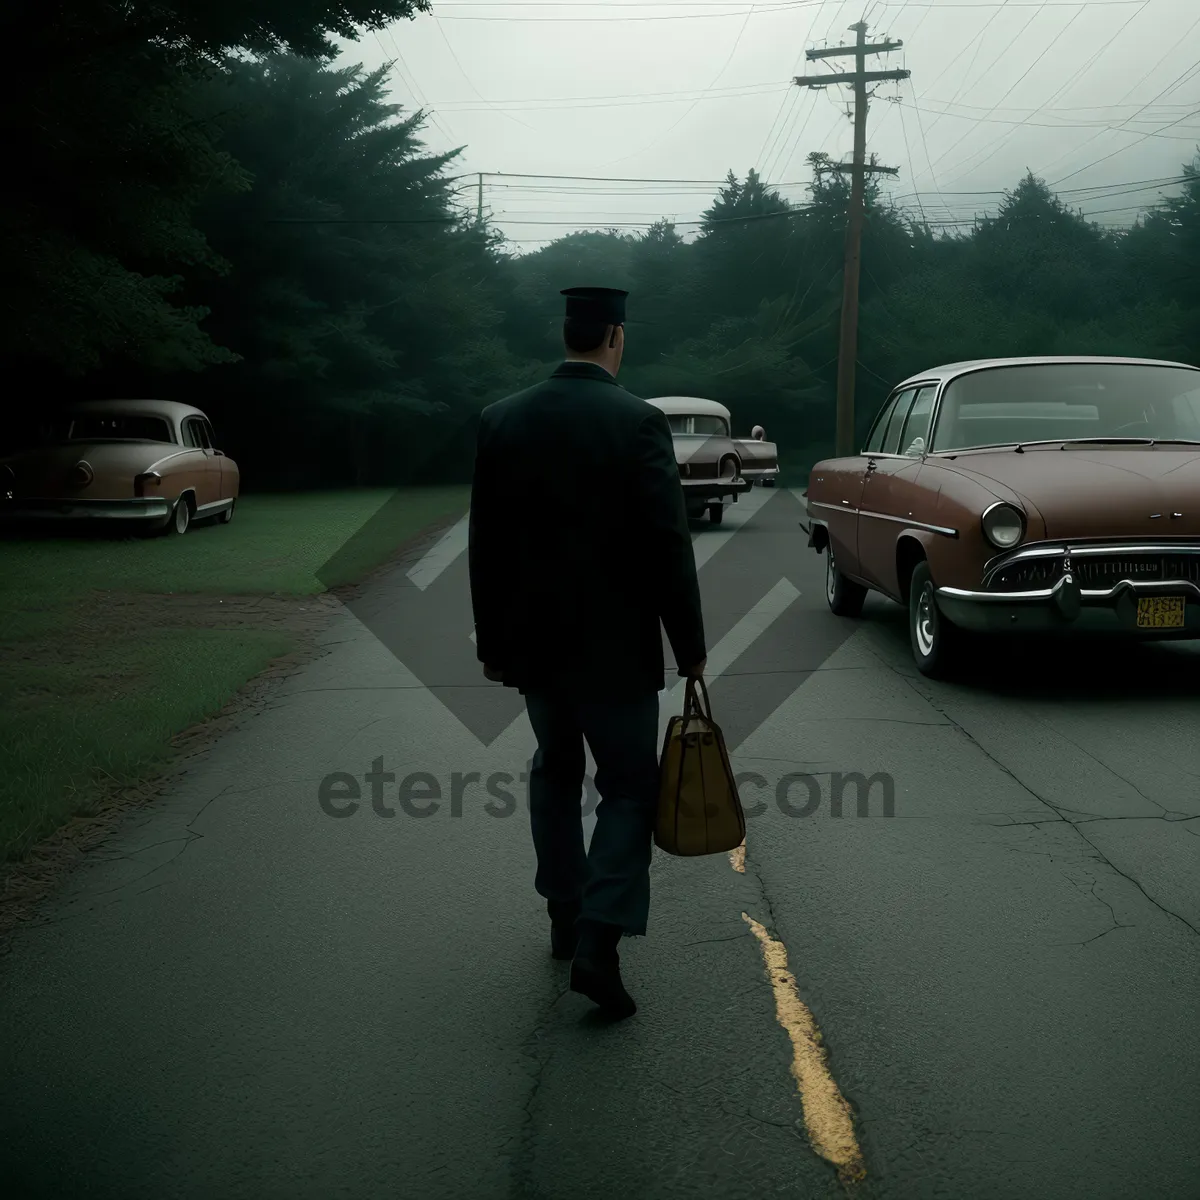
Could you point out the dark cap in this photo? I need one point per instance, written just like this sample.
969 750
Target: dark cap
604 306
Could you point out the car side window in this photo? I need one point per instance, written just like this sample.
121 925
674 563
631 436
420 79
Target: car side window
891 439
875 440
209 440
194 433
916 428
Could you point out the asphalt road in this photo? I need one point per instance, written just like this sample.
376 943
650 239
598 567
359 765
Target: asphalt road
242 996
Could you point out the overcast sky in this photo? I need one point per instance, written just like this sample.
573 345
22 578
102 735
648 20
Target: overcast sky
1087 95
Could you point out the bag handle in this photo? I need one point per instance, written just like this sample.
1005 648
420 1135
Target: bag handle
691 702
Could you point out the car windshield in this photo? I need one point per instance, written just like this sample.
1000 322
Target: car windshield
1046 402
118 427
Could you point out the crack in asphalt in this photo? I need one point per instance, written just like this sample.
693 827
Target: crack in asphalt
190 835
1115 774
737 937
538 1049
1074 825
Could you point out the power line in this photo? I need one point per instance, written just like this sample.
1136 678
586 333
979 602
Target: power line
1129 93
705 223
718 183
926 4
909 156
471 85
553 103
1140 184
586 178
755 10
1122 149
737 41
636 99
1101 125
978 39
1024 74
993 146
410 82
788 120
1044 108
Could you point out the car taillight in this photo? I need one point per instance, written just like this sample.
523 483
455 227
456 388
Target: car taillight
144 480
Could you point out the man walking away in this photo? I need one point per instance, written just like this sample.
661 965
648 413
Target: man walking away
579 547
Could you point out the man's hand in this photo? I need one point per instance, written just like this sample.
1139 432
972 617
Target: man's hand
493 674
696 672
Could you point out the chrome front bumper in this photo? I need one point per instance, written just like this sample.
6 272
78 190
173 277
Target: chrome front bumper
1067 605
78 510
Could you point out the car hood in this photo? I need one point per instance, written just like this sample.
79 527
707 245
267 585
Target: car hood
1118 491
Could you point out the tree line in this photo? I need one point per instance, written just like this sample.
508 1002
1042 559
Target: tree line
206 208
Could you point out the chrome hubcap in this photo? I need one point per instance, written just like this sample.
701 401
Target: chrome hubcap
181 516
830 575
926 621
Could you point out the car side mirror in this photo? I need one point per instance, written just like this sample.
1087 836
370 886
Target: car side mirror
758 433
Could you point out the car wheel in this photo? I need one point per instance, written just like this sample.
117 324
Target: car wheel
181 517
844 596
716 513
937 644
227 515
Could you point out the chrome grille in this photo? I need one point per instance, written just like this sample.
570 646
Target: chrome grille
1096 570
1096 573
1030 575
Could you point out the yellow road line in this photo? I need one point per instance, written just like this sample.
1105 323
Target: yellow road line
827 1116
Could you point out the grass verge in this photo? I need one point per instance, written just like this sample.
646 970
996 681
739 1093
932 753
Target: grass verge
114 648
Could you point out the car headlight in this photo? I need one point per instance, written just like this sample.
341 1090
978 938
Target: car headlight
1003 525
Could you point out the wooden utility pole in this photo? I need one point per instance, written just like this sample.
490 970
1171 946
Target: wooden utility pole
857 169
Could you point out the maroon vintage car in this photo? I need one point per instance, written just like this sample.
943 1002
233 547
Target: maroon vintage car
150 463
1032 494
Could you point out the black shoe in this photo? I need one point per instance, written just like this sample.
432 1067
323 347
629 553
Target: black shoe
596 971
564 934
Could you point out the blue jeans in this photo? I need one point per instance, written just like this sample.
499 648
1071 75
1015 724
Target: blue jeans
611 880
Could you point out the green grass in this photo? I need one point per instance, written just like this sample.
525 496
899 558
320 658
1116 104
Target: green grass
85 709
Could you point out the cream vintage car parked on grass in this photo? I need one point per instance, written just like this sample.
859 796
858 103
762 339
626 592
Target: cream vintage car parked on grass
152 464
714 466
1023 495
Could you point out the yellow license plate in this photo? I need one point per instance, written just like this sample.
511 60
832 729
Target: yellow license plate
1160 612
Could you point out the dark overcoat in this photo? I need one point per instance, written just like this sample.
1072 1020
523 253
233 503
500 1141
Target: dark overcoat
579 539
